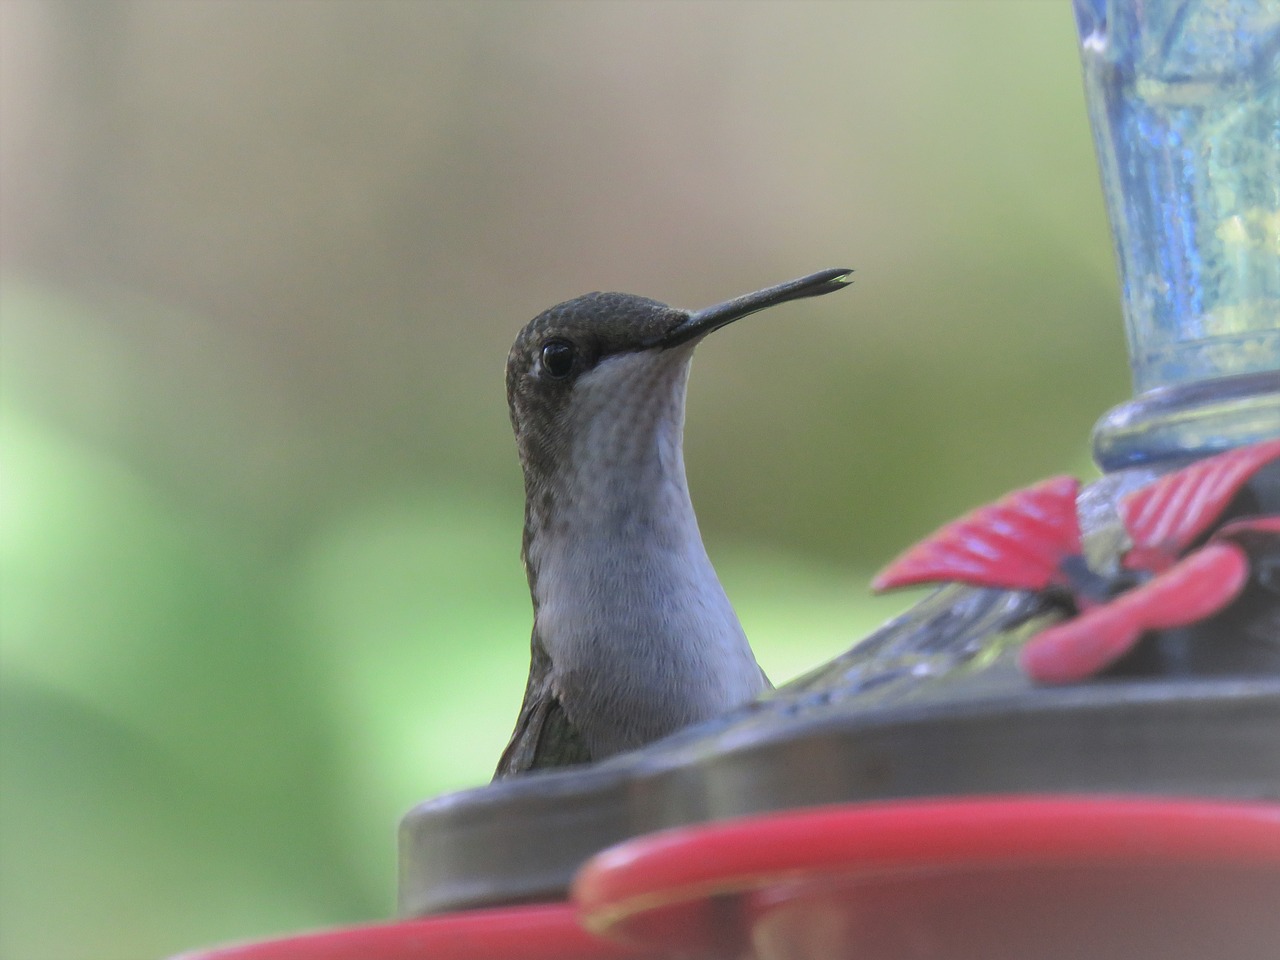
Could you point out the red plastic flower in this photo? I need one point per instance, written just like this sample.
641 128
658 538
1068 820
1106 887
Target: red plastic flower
1193 590
1030 540
1017 543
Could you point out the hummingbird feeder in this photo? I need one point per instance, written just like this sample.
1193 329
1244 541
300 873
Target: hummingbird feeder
1072 747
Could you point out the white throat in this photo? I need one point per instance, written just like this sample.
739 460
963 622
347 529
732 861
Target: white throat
643 638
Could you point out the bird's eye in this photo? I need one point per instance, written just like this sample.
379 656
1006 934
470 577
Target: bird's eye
557 358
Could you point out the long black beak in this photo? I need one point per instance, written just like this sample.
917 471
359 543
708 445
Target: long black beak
713 318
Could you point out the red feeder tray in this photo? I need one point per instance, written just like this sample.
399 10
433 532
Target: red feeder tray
543 932
998 879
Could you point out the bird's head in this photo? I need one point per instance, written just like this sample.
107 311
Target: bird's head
602 375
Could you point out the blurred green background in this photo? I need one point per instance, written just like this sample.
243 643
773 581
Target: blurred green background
262 262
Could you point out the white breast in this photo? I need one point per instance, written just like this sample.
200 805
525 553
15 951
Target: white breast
641 634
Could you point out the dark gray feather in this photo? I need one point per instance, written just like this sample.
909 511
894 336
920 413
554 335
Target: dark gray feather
544 734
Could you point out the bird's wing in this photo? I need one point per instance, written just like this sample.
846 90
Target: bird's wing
544 734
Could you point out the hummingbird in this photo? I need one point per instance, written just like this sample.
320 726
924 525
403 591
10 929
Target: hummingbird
633 635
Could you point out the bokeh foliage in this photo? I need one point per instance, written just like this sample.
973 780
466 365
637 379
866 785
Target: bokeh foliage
262 261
